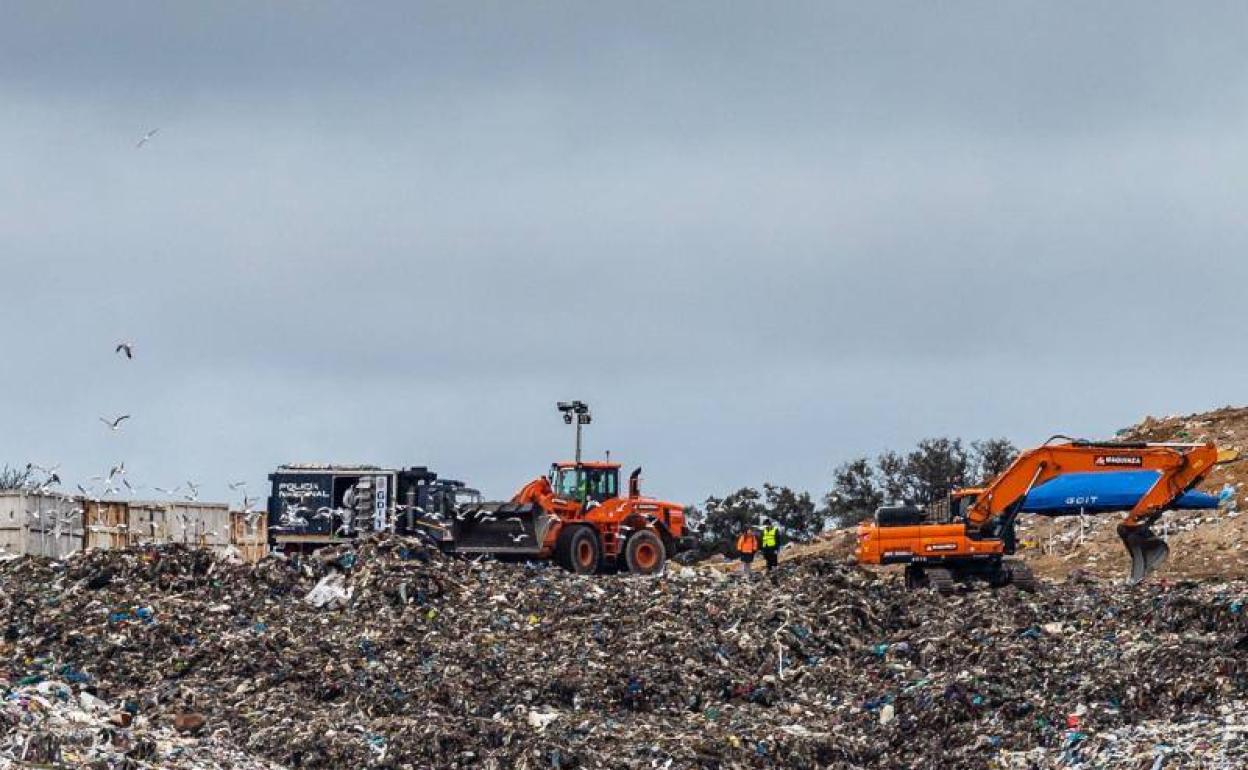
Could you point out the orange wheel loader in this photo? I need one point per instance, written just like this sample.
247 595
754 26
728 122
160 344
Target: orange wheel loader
576 515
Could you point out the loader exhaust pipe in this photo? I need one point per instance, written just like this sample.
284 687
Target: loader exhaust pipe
634 483
1148 552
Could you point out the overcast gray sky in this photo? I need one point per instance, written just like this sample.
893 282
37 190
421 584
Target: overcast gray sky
758 238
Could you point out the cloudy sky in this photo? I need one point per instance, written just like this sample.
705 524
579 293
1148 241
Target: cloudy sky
758 238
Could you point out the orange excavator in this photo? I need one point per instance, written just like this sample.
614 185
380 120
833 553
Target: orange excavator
969 536
575 515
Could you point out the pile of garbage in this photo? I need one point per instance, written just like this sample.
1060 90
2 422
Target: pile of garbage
389 655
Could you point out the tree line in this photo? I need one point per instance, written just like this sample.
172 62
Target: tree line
920 476
14 478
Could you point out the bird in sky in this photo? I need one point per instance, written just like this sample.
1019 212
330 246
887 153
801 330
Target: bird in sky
114 423
125 347
237 485
146 137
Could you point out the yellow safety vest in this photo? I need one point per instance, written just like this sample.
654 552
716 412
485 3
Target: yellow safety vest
769 537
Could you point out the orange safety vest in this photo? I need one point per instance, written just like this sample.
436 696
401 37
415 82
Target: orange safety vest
747 542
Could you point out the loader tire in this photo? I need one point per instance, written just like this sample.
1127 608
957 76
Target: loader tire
644 553
578 550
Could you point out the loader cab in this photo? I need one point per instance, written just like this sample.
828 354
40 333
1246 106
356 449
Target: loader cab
598 481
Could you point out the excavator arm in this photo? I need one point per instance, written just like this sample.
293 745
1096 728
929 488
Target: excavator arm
1179 468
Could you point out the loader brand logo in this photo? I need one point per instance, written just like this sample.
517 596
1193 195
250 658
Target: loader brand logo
1127 460
943 547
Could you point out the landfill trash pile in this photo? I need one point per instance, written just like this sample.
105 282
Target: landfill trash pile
388 655
1226 427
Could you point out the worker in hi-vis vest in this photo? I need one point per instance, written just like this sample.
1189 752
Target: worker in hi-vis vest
747 546
771 544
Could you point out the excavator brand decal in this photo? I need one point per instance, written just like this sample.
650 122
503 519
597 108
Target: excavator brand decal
1131 460
943 547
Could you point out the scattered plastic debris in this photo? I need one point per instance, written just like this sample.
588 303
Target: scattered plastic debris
180 660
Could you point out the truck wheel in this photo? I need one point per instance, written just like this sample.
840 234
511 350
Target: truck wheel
580 551
645 553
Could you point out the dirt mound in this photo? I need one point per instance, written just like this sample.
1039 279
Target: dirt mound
1226 427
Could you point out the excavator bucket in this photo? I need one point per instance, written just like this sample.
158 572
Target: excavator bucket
505 528
1148 552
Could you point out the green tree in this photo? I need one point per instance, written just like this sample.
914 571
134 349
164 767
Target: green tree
856 493
14 478
892 477
936 466
724 518
794 513
990 458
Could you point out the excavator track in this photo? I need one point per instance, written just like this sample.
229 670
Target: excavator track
1021 576
940 579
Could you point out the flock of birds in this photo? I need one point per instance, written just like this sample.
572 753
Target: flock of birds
68 511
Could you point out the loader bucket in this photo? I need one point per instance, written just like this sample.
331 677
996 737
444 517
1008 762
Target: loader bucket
1148 552
500 528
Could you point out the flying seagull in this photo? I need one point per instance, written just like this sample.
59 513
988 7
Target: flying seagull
126 347
114 423
146 136
237 485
